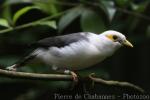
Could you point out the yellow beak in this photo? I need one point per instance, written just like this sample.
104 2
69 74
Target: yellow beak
127 43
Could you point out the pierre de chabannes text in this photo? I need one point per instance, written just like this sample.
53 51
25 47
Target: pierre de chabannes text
87 96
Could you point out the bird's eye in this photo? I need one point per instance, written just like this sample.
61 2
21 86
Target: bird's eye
115 37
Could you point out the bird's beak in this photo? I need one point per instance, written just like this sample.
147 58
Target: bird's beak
127 43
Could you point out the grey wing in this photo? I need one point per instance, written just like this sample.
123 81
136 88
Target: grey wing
61 41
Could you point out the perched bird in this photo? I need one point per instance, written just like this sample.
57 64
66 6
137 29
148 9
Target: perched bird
75 51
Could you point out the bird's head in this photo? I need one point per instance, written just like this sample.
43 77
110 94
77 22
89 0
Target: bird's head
117 38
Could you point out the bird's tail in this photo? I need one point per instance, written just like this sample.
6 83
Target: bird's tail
20 63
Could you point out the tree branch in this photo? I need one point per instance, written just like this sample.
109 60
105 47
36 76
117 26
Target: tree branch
34 76
62 77
115 83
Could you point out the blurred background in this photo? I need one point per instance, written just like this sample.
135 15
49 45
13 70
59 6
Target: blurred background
23 22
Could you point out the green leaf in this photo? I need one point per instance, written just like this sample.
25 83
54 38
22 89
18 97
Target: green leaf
46 6
92 22
139 7
22 11
108 8
48 23
10 2
68 18
4 22
122 3
6 13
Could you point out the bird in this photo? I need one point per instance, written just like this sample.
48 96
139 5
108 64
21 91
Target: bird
76 51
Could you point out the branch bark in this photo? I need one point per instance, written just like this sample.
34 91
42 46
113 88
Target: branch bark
62 77
115 83
34 76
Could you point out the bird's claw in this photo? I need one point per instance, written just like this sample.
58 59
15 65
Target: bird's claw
74 76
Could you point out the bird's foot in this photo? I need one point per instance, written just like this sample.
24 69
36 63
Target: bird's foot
11 68
74 76
75 79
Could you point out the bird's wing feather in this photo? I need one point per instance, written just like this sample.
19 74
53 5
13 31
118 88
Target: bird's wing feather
61 41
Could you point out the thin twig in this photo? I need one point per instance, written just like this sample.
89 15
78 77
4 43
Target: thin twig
115 83
33 23
134 13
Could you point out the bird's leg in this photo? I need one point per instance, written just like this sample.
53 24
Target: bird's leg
63 70
74 76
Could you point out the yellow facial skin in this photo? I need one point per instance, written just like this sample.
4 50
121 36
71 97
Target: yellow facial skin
125 42
111 37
